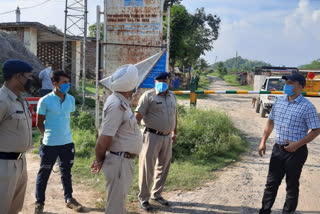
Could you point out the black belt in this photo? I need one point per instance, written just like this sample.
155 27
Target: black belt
155 132
125 154
281 145
10 155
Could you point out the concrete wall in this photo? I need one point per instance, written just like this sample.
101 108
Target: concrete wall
91 59
76 64
30 39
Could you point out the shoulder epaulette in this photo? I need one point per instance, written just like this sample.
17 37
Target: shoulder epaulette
122 107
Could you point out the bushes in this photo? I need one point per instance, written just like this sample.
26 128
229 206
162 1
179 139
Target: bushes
206 135
90 103
82 120
85 142
83 133
202 135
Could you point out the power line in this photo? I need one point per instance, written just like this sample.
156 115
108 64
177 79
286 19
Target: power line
7 12
23 8
37 5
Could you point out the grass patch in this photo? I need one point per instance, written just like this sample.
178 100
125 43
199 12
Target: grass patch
90 102
231 79
207 140
90 87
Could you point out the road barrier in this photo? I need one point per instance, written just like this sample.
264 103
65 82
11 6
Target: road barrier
33 101
193 95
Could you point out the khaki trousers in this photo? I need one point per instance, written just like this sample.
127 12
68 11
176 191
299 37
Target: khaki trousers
155 156
118 172
13 185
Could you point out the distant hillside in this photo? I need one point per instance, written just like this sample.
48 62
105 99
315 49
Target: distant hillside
313 65
240 64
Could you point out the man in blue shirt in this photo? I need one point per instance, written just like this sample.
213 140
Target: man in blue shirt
292 116
53 121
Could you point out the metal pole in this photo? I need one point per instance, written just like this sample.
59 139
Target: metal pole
106 92
97 67
18 14
105 37
312 93
65 37
168 39
84 67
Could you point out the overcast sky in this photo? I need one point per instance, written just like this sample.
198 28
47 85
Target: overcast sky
280 32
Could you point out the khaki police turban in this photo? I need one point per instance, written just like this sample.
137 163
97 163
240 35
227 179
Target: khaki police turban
124 79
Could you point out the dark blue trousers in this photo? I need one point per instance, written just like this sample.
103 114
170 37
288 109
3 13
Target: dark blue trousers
49 155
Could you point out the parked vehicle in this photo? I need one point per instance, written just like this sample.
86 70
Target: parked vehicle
269 79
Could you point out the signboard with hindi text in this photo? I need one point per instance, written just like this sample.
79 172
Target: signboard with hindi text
134 31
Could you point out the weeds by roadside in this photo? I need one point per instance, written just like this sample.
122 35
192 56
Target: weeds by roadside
207 140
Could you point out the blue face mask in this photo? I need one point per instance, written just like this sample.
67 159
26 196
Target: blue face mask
64 88
288 89
161 87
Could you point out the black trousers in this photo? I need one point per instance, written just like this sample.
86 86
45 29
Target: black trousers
49 155
284 163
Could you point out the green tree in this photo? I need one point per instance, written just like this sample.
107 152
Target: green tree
93 30
179 27
201 64
240 64
171 3
314 65
191 35
221 69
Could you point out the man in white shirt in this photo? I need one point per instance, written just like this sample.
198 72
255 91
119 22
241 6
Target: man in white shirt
45 77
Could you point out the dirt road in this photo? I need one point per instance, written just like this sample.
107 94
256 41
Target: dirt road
239 188
54 194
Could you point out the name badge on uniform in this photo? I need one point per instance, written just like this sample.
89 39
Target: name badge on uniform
19 112
158 102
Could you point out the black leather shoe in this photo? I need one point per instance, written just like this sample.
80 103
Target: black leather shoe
161 201
145 205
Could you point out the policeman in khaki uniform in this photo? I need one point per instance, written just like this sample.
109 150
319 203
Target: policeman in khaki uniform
15 135
157 109
120 138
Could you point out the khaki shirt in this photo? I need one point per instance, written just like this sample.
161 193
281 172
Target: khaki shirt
159 112
15 123
120 123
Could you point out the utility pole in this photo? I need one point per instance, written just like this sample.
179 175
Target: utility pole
75 24
168 40
84 50
18 14
97 67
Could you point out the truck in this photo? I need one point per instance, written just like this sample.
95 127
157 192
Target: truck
312 80
269 79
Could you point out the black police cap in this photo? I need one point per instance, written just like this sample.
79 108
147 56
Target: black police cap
162 76
13 66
